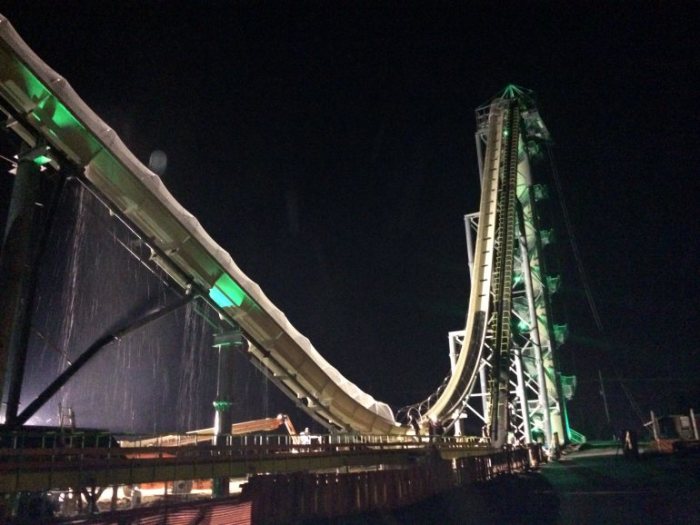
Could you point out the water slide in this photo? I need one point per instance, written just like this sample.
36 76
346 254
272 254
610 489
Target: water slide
43 109
450 402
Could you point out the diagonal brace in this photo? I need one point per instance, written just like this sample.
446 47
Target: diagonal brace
91 352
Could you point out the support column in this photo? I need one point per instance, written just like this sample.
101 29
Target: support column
694 424
470 244
225 343
453 364
522 394
484 385
654 426
479 138
535 333
18 272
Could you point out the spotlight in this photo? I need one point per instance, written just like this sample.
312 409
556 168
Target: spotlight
40 155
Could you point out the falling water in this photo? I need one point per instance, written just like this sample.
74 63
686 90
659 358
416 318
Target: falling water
70 289
57 291
160 378
198 362
88 285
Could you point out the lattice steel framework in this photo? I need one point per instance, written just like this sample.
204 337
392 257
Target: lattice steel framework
530 398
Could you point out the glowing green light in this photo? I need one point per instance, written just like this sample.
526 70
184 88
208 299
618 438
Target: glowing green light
59 113
553 283
40 160
220 298
35 88
561 332
64 118
226 292
55 118
523 326
512 91
220 405
48 104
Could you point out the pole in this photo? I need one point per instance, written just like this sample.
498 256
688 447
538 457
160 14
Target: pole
605 399
543 396
453 364
470 244
654 426
18 272
479 157
520 388
484 385
225 344
694 423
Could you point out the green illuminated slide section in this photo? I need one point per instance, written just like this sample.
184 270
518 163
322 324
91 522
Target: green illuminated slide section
226 292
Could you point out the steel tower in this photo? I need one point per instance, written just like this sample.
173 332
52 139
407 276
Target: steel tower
518 372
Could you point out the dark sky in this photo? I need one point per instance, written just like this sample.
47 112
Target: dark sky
329 147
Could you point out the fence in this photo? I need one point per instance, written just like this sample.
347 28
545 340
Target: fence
292 497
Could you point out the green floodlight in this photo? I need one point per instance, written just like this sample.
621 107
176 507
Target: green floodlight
226 293
38 155
523 326
512 91
42 159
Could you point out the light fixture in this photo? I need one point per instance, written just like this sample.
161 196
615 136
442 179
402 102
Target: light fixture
39 155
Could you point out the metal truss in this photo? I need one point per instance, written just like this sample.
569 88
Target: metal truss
534 410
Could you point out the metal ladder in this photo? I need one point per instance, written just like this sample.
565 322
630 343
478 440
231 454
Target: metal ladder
501 284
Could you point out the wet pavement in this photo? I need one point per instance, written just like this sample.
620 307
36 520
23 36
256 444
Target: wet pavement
592 486
602 486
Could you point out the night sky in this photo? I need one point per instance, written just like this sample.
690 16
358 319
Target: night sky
329 147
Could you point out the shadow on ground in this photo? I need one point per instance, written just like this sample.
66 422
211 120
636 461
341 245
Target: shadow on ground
590 487
511 499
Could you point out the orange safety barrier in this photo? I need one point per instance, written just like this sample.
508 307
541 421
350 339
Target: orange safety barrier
231 512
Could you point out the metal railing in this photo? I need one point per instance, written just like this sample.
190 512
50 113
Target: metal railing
77 450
